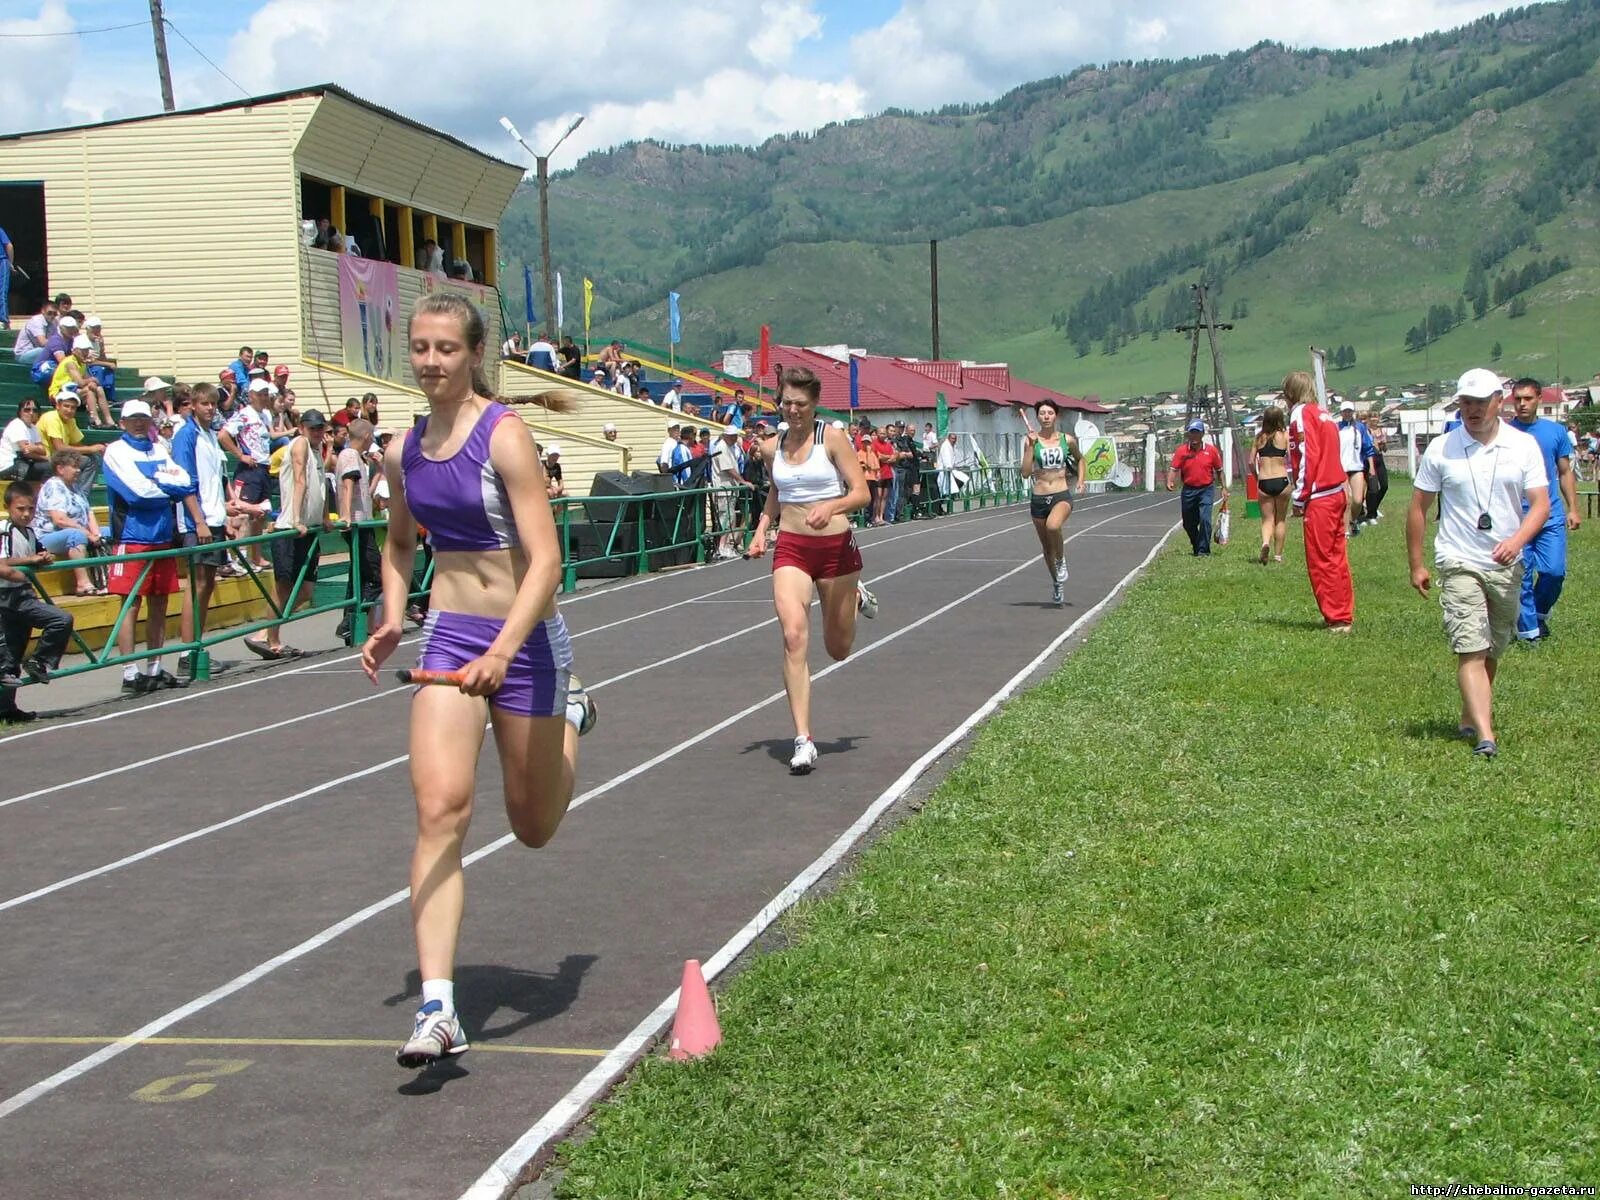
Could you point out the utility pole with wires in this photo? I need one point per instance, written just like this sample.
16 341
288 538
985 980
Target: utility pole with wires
158 27
1211 404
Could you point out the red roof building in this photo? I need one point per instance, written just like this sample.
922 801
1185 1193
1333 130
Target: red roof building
909 383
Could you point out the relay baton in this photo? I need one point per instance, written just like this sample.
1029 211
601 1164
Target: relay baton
418 676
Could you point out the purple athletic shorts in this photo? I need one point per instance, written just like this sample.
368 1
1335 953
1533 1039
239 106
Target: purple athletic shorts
536 679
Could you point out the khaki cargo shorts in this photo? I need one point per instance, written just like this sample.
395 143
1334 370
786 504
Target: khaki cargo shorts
1480 607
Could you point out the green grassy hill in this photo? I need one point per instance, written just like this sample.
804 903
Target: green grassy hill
1332 197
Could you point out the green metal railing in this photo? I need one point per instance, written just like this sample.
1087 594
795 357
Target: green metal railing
641 533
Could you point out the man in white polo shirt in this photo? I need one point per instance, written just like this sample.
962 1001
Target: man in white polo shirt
1483 472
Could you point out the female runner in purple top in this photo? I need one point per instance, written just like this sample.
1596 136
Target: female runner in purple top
468 474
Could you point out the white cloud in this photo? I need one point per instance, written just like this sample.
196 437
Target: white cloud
785 23
698 70
932 52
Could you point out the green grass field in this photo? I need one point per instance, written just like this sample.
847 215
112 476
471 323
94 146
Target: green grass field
1221 909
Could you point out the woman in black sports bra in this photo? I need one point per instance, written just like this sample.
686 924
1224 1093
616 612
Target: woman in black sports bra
1270 460
1052 460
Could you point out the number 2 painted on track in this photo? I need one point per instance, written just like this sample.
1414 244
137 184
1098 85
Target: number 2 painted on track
167 1090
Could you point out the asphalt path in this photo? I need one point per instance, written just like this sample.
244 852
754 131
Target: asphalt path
203 930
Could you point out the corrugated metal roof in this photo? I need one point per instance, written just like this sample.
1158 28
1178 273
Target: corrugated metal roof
319 89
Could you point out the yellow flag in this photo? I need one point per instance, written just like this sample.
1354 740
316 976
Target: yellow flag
588 302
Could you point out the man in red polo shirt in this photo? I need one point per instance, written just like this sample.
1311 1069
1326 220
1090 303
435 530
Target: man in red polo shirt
1198 465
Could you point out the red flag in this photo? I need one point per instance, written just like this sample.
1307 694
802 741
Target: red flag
764 355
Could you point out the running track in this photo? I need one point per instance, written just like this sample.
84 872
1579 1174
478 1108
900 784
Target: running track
204 941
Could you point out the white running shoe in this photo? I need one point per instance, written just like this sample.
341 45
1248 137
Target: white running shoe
1055 591
866 602
1061 572
581 710
805 756
436 1035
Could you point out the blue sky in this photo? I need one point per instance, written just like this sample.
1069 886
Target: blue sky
690 70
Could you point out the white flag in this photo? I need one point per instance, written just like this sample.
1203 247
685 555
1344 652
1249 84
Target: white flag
561 307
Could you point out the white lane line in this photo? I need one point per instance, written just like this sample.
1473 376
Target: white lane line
321 667
505 1172
164 1022
221 741
152 851
216 827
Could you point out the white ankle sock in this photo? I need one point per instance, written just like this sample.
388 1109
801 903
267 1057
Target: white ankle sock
442 990
152 666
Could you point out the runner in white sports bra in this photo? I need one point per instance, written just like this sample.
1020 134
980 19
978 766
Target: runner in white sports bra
1053 462
816 484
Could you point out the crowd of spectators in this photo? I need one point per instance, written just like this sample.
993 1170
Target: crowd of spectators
196 466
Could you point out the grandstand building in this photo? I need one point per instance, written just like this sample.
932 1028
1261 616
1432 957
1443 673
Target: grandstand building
190 232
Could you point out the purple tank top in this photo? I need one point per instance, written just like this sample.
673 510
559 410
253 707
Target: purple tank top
460 500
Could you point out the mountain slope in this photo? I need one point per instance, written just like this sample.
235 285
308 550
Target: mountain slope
1338 195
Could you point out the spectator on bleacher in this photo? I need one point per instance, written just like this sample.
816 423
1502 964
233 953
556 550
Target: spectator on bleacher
304 510
380 481
102 364
63 520
280 377
247 435
353 471
145 479
930 439
664 459
611 357
35 332
738 410
74 370
203 511
262 364
609 431
673 398
728 480
542 354
227 392
683 456
21 609
555 487
164 427
157 394
241 368
431 258
56 347
643 395
621 384
350 411
702 445
369 408
599 380
571 358
285 421
23 453
59 428
512 347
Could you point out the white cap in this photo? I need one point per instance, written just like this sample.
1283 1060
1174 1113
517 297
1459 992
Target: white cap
156 384
1477 384
135 408
552 448
69 390
1347 406
730 431
82 343
260 385
608 427
68 322
92 322
381 432
262 371
671 425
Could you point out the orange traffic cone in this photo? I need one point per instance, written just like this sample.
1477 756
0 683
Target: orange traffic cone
694 1030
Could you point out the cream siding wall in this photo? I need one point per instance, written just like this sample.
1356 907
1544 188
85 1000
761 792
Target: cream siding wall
362 149
178 231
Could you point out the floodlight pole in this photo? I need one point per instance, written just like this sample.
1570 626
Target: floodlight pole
542 174
157 26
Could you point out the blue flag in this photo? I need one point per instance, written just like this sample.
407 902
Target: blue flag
527 294
674 319
855 382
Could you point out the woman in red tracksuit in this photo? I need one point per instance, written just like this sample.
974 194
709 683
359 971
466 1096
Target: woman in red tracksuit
1319 494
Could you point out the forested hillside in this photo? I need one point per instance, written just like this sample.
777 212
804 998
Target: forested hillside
1412 205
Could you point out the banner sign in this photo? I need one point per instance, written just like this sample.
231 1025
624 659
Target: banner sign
369 294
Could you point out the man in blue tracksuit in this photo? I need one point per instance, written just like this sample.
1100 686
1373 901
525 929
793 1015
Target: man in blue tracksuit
1544 559
141 474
